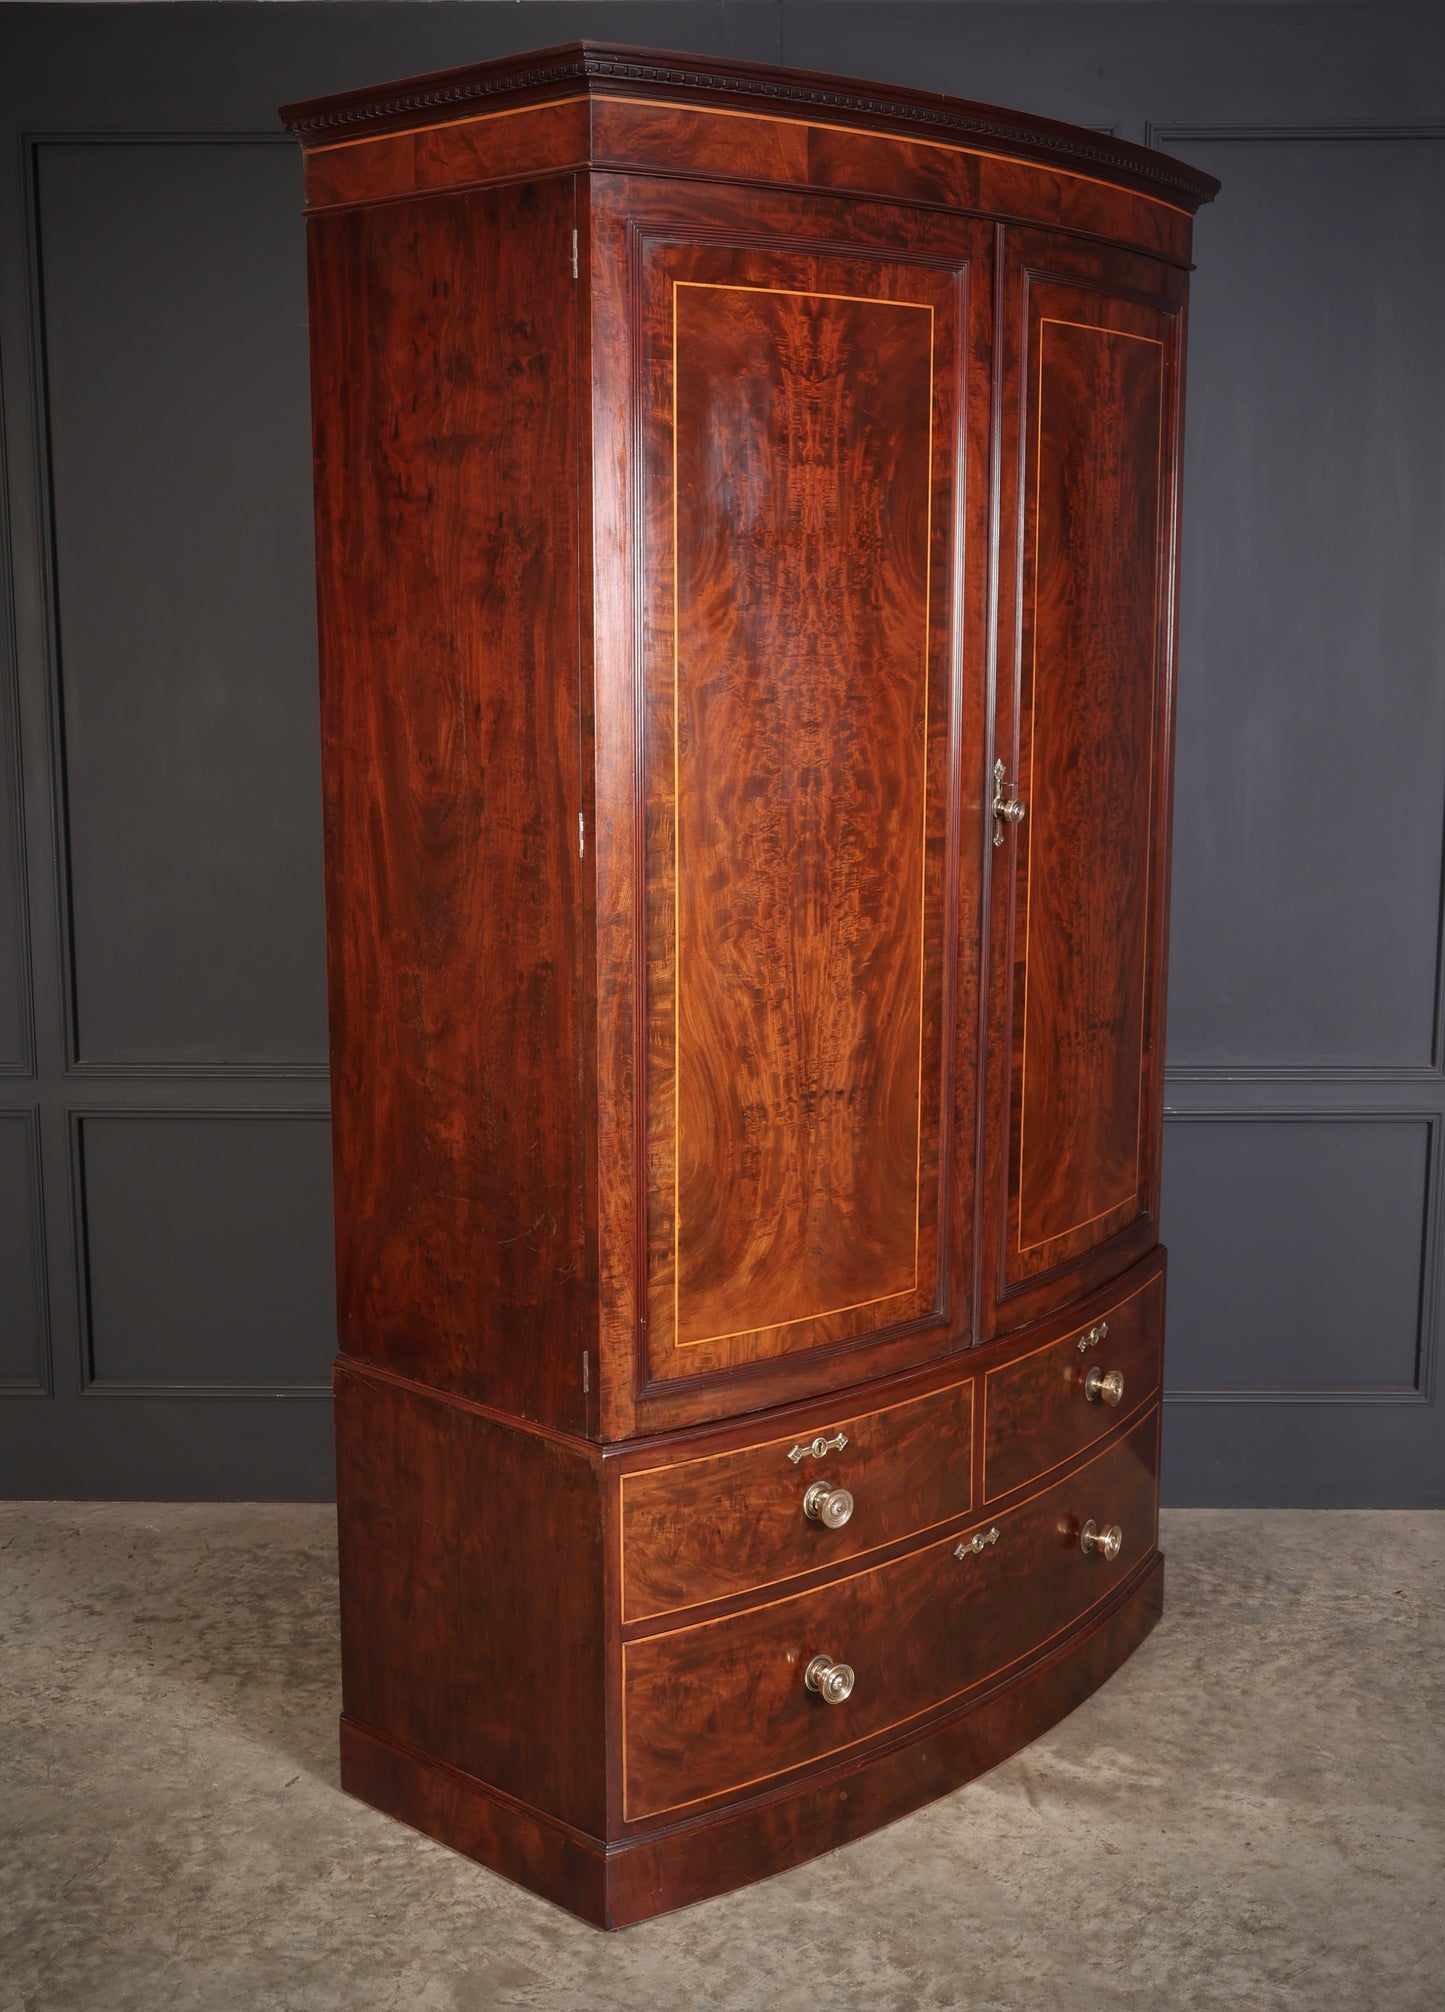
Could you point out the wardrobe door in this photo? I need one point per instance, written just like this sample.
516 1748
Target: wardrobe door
799 397
1090 376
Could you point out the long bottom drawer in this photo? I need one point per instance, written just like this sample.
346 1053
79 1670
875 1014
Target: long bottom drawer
725 1704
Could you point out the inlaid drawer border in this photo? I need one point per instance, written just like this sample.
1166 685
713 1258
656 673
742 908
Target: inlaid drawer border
881 1733
761 1446
1108 1423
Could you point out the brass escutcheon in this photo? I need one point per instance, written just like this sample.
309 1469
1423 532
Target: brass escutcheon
820 1447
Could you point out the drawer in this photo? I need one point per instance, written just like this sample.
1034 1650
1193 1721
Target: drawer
721 1705
1041 1409
721 1523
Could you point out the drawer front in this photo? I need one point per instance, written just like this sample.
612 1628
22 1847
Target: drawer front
727 1522
723 1704
1041 1409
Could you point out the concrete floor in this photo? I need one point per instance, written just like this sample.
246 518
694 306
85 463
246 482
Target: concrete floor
1248 1817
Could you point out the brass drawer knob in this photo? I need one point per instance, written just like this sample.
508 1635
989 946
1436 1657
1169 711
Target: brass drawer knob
828 1505
1105 1544
1103 1386
832 1681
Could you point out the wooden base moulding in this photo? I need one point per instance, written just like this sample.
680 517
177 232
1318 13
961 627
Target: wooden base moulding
617 1885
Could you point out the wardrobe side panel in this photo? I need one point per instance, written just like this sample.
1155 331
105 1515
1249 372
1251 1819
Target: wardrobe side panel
472 1617
444 389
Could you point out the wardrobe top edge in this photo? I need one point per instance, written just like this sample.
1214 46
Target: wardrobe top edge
604 69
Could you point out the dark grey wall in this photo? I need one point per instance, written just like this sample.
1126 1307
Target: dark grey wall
165 1300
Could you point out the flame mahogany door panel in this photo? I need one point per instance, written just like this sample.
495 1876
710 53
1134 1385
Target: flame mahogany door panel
1090 375
803 725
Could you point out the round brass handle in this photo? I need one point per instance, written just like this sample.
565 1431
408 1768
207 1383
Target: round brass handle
828 1505
1106 1544
1103 1386
1009 807
832 1681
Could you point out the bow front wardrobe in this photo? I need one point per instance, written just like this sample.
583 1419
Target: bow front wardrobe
746 513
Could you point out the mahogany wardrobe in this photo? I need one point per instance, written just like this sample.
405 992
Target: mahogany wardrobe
746 514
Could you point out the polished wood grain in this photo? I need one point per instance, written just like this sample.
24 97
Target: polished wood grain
828 1128
510 1837
715 469
1035 1413
1086 768
1091 395
803 427
991 185
631 1881
832 156
445 429
702 1528
799 770
812 1816
732 145
518 141
472 1619
721 1706
604 70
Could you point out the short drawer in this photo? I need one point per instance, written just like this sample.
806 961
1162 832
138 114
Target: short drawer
1055 1401
722 1705
707 1526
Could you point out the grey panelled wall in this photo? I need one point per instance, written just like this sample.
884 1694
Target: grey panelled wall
1302 1160
165 1314
174 321
1308 916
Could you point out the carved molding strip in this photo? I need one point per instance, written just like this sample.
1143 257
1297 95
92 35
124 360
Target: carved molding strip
585 64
